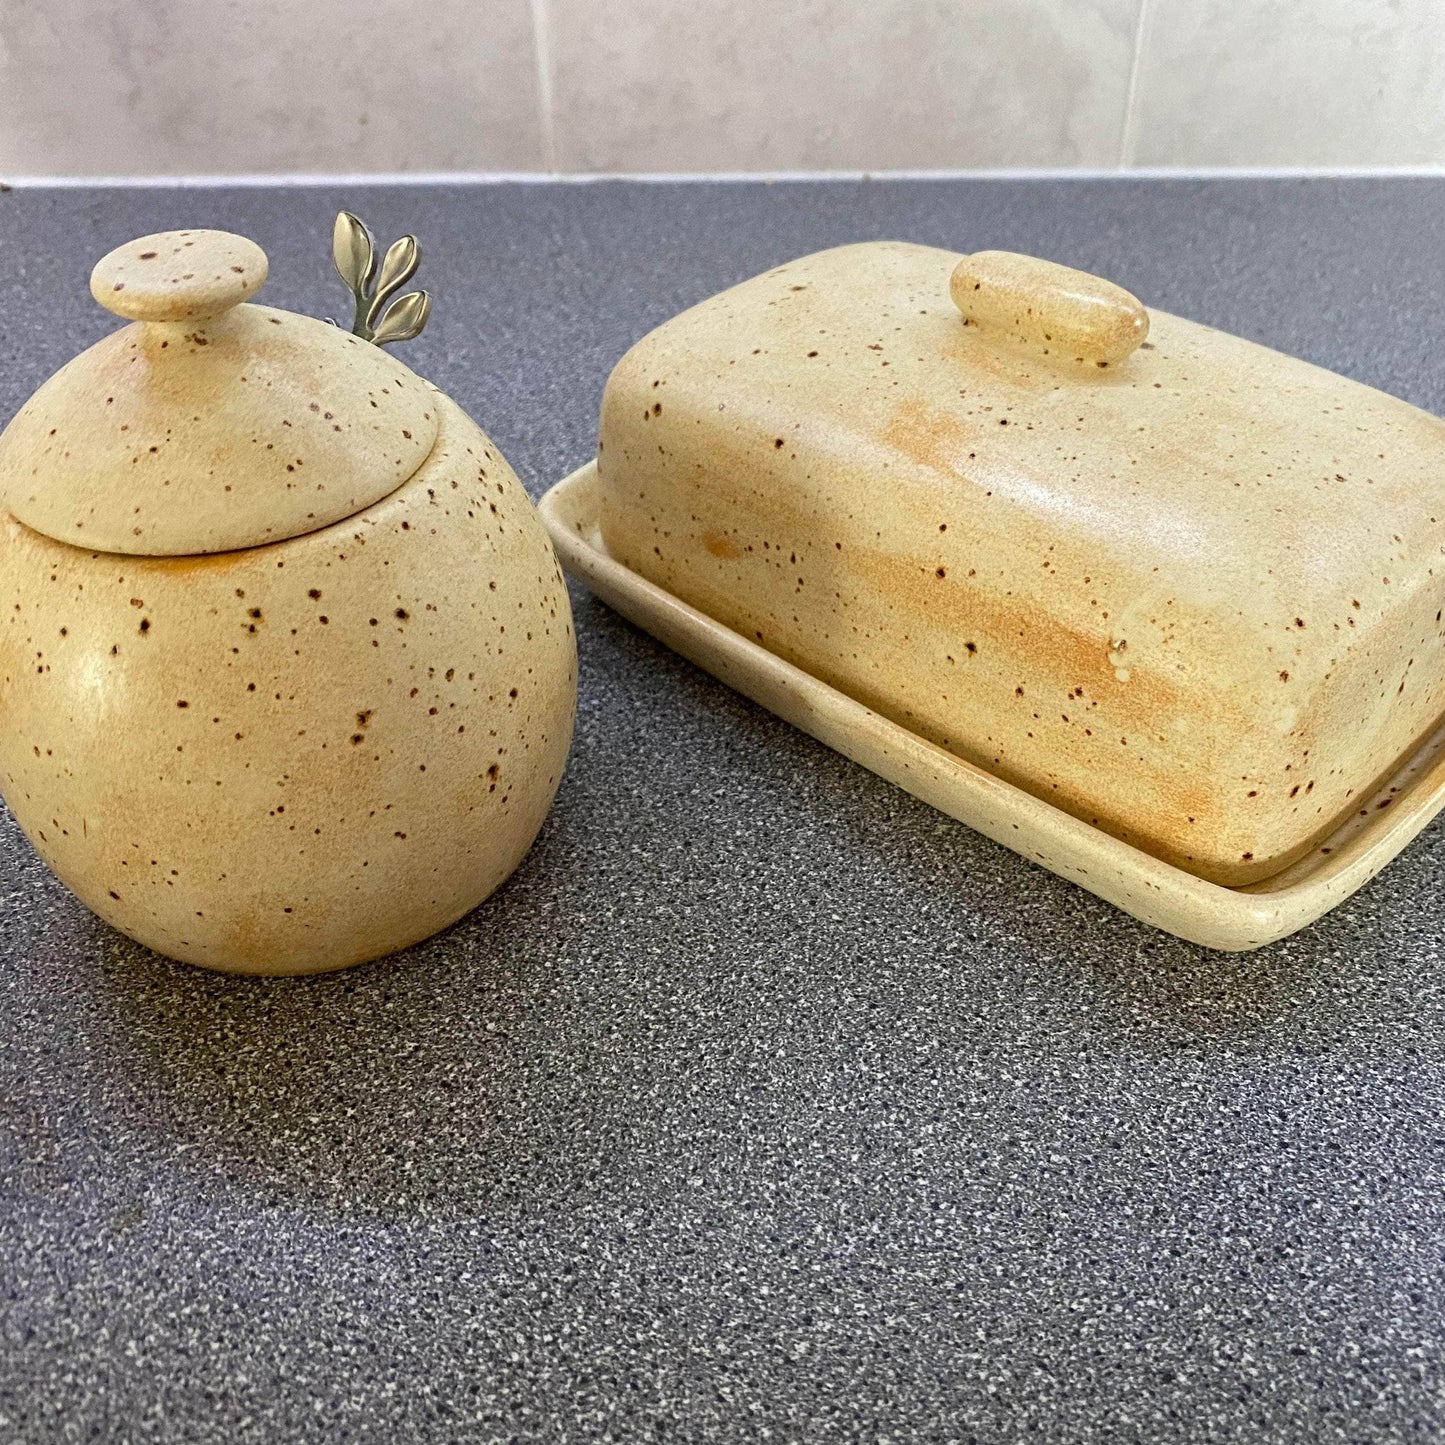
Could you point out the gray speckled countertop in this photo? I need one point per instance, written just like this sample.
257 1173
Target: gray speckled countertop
763 1103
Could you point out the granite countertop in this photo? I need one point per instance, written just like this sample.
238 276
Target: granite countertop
764 1102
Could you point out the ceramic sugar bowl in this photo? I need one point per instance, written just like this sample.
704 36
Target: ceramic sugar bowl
287 670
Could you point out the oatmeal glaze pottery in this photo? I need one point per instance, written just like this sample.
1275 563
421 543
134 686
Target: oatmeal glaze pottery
287 671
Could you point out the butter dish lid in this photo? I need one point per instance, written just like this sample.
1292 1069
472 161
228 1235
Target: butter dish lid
1177 584
1025 382
210 424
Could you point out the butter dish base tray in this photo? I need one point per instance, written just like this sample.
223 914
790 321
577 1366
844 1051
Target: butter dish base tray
1156 892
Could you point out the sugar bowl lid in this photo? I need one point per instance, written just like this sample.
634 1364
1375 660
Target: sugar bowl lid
210 424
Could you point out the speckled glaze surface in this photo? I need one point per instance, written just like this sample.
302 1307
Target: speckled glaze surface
1059 311
294 757
209 425
1186 592
179 275
1389 817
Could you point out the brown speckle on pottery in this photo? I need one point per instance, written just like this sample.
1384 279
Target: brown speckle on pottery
178 275
1064 313
1193 576
229 426
200 759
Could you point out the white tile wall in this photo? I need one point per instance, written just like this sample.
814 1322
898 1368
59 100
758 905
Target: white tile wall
139 87
660 85
1291 83
164 87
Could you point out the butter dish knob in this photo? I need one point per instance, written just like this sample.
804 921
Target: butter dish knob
1063 312
178 275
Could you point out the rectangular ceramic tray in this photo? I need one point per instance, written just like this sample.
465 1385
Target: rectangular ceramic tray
1156 892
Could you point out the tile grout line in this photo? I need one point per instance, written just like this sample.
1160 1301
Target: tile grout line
1129 134
542 50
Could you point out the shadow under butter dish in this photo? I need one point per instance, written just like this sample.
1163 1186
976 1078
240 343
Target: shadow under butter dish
289 757
1186 593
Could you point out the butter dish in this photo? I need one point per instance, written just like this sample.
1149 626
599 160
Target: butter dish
1175 586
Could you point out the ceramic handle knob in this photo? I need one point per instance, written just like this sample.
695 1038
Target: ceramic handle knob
1065 313
178 275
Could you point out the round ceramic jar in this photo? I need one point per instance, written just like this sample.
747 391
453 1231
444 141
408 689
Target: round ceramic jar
287 671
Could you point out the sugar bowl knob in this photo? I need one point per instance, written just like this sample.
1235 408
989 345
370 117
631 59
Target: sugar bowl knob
178 275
